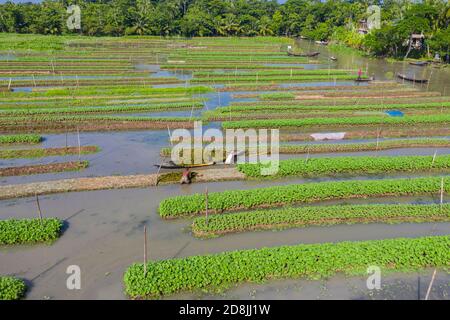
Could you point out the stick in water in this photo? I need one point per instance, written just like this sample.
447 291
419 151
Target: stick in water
79 144
434 158
431 285
39 208
145 251
206 205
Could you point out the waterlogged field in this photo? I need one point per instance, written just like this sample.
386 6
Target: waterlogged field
87 123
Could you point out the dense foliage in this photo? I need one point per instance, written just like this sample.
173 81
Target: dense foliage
11 288
24 231
174 207
320 20
317 215
20 138
313 261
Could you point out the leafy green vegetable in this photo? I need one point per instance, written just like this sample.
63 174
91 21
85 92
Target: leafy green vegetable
20 138
350 165
11 288
312 216
311 261
26 231
298 193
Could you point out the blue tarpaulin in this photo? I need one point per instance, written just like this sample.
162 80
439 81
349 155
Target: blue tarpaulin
395 113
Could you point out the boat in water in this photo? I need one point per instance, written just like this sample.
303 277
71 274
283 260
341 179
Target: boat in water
173 165
309 54
419 63
417 80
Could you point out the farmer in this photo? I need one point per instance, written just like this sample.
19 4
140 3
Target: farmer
359 74
186 177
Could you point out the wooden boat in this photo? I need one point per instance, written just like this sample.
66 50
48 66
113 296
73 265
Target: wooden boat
419 63
310 54
173 165
404 77
363 79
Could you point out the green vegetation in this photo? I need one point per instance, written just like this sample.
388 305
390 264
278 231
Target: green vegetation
11 288
298 193
328 20
228 66
51 117
21 138
27 231
110 91
263 73
106 109
351 147
350 121
46 152
329 107
44 168
231 78
317 216
277 96
350 165
312 261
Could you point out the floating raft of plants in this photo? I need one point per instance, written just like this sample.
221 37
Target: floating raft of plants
43 168
46 152
221 224
28 231
11 288
351 121
350 147
20 139
311 261
350 165
235 200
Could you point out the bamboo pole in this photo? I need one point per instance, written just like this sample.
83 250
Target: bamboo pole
145 251
206 205
170 135
378 138
79 144
442 192
39 208
431 285
434 158
9 84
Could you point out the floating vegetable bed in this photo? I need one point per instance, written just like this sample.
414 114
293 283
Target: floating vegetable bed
311 261
46 152
234 200
43 168
352 121
27 231
20 138
221 224
350 165
11 288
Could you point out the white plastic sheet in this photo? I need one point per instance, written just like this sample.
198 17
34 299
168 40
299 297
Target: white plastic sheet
328 136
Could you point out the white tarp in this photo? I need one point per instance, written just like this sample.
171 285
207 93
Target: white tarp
328 136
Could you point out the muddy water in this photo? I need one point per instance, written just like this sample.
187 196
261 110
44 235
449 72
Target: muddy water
103 234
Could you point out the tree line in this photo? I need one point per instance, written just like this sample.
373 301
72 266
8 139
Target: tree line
338 20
